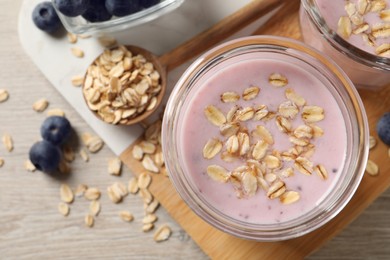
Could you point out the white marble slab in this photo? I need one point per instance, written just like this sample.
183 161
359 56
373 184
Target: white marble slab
53 56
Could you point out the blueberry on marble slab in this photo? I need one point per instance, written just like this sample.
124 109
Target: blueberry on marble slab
45 156
122 7
56 130
97 12
148 3
383 128
72 8
45 17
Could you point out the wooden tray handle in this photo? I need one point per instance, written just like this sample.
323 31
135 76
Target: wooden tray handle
220 31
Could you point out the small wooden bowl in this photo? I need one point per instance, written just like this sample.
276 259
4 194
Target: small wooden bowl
150 57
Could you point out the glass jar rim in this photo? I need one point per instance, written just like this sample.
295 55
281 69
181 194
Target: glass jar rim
337 42
202 209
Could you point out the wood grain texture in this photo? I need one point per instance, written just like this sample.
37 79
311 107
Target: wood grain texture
219 245
31 227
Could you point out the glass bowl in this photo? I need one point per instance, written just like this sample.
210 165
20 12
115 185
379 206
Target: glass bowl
78 25
366 70
214 211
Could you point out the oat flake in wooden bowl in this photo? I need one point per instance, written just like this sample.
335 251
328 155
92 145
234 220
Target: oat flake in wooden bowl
124 85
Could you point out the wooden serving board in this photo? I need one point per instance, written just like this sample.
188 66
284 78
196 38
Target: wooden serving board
219 245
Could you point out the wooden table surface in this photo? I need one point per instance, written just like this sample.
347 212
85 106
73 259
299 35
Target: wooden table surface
32 228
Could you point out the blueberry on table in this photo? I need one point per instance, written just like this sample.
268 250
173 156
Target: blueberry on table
122 7
72 8
96 12
45 17
148 3
56 130
383 128
45 156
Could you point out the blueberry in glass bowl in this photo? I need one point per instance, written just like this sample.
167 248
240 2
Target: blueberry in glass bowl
105 16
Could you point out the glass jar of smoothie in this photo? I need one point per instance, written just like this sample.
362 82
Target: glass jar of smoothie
355 34
264 138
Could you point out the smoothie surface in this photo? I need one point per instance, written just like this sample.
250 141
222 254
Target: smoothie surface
197 130
366 24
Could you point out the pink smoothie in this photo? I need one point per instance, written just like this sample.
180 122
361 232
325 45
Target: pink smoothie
372 73
237 75
331 11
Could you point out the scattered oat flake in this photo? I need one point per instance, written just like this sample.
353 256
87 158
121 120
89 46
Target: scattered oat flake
303 165
80 190
72 38
114 197
94 208
147 227
149 218
152 207
77 81
114 166
77 52
106 41
363 6
126 216
263 133
63 208
321 171
137 152
8 142
278 80
378 5
249 184
144 180
312 114
294 97
64 167
84 155
40 105
29 166
3 95
218 173
383 50
146 195
230 97
92 194
276 189
68 153
372 168
86 137
385 15
55 112
89 220
162 233
84 36
147 147
289 197
246 114
66 193
149 164
212 148
344 28
214 115
1 162
372 142
250 93
381 30
133 185
94 144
